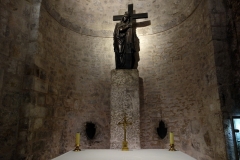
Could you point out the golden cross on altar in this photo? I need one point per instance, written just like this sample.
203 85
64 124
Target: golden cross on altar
125 123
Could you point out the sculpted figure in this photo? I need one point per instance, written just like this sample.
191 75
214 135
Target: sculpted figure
123 43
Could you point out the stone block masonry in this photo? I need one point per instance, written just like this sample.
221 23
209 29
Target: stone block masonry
68 47
125 101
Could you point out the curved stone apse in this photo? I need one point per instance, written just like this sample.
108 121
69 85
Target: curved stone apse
94 17
176 66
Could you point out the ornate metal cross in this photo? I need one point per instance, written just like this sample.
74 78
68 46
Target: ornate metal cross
132 16
125 123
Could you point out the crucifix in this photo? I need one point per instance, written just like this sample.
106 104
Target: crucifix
132 16
124 46
125 123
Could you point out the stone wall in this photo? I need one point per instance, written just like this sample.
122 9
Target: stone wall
178 80
55 75
78 84
180 87
125 109
17 32
225 27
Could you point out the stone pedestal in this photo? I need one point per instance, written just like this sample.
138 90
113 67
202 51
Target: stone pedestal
125 100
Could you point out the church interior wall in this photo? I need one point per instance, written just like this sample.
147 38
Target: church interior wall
225 28
179 80
78 86
18 19
55 76
175 78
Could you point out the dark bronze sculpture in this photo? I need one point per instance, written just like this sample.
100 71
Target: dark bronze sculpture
123 43
123 39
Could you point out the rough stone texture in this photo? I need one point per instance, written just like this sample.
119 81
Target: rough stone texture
178 80
78 87
55 63
94 17
226 30
125 100
15 21
179 84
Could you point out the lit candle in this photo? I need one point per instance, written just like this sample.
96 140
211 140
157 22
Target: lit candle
171 138
78 139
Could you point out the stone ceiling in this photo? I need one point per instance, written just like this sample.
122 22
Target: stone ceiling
94 17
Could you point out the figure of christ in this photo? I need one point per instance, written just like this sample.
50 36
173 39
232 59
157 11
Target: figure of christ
123 38
122 41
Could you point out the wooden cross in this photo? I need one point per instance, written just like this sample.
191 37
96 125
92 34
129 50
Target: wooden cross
130 13
125 123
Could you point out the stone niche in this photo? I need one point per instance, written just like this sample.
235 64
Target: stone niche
125 101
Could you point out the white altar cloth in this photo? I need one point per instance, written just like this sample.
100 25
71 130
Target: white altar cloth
115 154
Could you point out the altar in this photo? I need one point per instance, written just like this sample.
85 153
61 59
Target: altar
115 154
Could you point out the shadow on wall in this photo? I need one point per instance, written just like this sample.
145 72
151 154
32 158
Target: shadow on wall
136 41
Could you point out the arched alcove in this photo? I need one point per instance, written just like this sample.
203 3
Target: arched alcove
176 65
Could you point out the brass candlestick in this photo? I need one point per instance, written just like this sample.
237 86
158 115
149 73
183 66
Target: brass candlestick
77 148
172 147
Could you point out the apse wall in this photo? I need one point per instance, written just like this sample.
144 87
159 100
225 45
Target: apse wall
176 67
180 87
78 72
